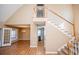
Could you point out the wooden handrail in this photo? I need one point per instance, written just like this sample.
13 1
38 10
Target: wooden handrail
63 19
59 16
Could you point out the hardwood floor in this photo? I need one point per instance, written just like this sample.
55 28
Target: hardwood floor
22 48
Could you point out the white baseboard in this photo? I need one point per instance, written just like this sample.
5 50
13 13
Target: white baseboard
33 46
20 39
52 53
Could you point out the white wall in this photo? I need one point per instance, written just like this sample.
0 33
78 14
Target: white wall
1 24
54 39
22 16
33 35
76 19
6 10
64 10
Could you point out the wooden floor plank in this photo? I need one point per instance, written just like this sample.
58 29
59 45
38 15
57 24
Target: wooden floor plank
22 48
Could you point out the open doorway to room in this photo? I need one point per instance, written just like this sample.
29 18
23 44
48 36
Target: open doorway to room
23 34
40 35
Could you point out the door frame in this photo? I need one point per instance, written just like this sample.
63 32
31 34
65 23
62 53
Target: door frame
44 36
8 44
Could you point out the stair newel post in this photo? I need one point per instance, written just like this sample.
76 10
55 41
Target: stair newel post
69 51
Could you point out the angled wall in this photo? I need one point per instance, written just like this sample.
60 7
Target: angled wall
7 10
22 16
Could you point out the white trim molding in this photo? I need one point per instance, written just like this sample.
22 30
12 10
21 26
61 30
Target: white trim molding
33 46
52 53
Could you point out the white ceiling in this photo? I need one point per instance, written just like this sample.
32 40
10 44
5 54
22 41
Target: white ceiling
6 10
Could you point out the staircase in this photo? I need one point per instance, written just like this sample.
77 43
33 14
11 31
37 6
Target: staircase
71 47
68 48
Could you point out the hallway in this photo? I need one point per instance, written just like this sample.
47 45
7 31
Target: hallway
22 48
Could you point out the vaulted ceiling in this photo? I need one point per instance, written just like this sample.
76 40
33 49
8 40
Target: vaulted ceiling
7 10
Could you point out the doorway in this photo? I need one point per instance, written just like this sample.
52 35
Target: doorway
24 33
6 38
40 36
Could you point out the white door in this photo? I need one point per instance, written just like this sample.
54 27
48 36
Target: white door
6 39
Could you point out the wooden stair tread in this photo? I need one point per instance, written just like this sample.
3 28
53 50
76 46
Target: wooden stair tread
65 51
